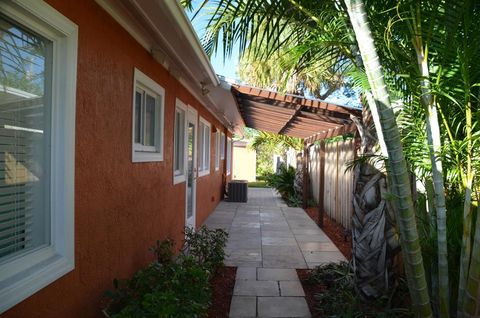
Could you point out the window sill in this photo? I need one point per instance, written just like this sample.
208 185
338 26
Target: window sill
178 179
203 173
24 283
142 156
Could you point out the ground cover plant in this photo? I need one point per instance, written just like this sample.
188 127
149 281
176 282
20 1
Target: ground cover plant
171 286
332 287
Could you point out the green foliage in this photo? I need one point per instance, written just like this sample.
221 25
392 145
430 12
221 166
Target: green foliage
257 184
283 181
177 289
168 287
163 250
206 246
341 299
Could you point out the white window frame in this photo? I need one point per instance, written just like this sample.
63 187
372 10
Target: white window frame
142 153
25 274
222 146
180 176
217 150
229 156
204 169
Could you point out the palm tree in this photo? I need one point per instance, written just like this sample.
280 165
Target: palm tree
397 168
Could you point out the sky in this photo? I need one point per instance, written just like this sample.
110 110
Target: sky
227 67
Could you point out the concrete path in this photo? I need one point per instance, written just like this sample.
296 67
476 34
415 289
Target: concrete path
267 242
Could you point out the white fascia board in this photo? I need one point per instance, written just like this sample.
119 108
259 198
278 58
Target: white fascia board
180 16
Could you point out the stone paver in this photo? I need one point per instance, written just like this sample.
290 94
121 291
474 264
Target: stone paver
283 307
247 273
267 242
256 288
291 288
243 307
279 274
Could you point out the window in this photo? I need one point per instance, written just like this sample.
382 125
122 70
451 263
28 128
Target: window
217 150
38 50
179 143
222 146
204 148
148 105
229 155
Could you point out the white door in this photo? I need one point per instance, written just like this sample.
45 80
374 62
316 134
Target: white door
191 183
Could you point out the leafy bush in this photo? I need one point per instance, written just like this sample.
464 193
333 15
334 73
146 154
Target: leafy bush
341 299
283 181
206 246
177 289
171 287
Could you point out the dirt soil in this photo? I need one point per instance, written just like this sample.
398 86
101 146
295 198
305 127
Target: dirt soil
222 290
340 237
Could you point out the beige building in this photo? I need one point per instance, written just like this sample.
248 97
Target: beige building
244 161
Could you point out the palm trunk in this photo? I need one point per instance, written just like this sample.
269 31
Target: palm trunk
467 215
434 146
471 302
433 233
397 167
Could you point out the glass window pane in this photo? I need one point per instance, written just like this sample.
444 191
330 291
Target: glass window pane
149 139
201 147
25 105
207 147
179 141
138 116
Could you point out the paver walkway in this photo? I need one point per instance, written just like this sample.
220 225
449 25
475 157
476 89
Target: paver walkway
267 242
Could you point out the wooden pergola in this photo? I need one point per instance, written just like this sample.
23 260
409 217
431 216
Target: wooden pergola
296 116
309 119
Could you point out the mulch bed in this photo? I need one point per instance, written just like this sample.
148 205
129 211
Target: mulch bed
310 290
339 236
222 290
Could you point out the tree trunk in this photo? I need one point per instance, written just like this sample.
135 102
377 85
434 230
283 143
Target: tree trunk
471 302
434 146
397 167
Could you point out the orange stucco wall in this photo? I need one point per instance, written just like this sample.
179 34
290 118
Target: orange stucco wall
121 208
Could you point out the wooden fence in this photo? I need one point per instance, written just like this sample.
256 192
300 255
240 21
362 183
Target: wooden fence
338 182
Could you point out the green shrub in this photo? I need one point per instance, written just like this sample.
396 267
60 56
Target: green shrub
283 181
177 289
206 246
341 299
171 287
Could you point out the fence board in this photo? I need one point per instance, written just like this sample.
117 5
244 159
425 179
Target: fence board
338 191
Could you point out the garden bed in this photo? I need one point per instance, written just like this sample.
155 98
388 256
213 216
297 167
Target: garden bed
336 232
222 284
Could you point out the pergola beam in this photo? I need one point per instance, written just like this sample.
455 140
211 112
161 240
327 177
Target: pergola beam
291 119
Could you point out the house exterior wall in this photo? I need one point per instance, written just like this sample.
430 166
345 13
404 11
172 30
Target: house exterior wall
121 208
244 163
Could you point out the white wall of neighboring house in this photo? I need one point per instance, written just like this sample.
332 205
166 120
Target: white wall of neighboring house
244 162
291 159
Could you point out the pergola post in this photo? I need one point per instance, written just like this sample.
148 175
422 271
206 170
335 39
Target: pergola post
321 185
305 175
